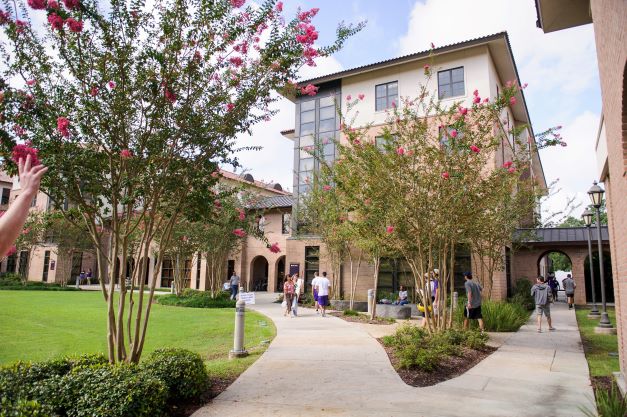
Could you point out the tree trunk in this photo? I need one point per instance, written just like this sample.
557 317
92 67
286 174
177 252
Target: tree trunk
376 263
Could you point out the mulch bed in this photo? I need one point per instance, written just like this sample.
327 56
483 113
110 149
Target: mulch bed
362 318
451 367
186 410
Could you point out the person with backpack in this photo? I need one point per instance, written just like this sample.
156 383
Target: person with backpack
541 293
554 285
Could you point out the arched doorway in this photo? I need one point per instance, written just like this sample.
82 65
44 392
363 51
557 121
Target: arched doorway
259 276
607 269
280 274
554 262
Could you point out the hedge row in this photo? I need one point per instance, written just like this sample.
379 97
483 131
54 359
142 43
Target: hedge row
89 386
14 282
197 299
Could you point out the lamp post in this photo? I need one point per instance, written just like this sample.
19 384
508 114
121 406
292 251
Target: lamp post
596 196
587 219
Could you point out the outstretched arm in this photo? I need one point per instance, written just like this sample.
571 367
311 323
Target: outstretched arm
13 220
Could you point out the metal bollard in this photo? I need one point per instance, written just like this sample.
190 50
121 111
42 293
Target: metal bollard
455 296
238 340
370 298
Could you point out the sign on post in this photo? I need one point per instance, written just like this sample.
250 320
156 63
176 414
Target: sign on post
294 269
247 297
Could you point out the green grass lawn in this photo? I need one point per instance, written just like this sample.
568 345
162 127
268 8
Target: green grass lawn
39 325
598 346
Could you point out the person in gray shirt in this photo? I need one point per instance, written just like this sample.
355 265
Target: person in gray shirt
569 288
234 285
473 308
540 293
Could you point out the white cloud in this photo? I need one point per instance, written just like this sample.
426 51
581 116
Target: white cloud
574 165
274 162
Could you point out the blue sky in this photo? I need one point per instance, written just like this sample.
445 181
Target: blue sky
560 67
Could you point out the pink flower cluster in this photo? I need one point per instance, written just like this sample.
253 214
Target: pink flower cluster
37 4
400 151
230 107
427 68
475 149
476 99
63 126
241 214
446 175
236 61
21 151
5 17
217 204
309 89
126 154
389 229
274 248
72 4
55 21
306 16
507 164
169 95
75 26
239 232
237 3
279 7
326 188
308 34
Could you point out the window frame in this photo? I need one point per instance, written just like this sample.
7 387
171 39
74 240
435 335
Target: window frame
388 104
451 82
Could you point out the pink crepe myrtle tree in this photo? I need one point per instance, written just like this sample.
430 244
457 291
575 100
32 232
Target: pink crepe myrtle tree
133 106
443 190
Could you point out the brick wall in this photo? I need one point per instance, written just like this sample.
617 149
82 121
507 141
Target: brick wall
609 18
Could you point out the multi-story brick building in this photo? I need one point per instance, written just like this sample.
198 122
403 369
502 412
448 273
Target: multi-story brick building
609 18
256 264
485 64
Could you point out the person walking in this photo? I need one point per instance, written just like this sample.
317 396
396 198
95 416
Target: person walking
569 287
288 295
473 307
323 292
298 290
89 276
540 293
235 279
314 291
554 285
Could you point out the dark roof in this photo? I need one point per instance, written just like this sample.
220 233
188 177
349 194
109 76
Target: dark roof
560 235
406 58
274 202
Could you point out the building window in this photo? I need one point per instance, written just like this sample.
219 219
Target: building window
386 95
451 83
312 264
198 261
187 273
167 273
286 218
23 264
77 265
12 263
392 274
44 276
6 192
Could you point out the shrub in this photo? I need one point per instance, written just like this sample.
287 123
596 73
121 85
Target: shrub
349 312
609 403
38 380
14 282
197 299
416 348
110 391
522 294
498 316
23 408
182 371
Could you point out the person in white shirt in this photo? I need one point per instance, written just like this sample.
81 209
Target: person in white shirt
298 289
402 296
314 290
323 285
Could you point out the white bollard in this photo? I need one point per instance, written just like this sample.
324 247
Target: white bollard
238 339
370 300
455 298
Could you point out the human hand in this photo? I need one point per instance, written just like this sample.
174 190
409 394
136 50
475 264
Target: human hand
30 176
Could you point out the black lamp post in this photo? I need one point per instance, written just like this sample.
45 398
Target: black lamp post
587 219
596 196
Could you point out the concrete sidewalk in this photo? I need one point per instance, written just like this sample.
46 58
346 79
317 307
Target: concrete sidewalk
328 367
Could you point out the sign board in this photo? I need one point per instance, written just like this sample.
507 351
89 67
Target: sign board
248 297
294 269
